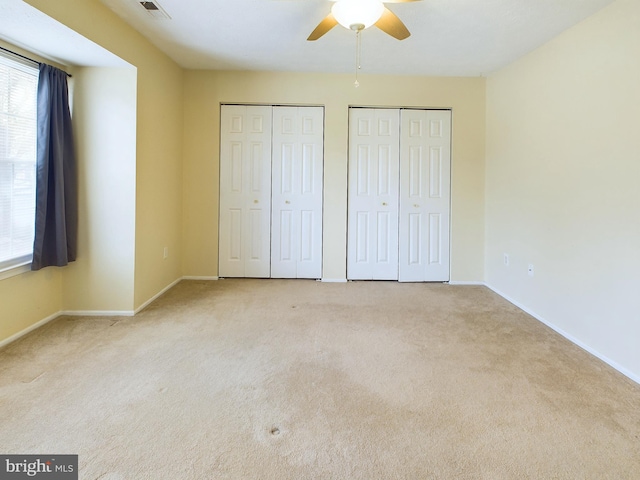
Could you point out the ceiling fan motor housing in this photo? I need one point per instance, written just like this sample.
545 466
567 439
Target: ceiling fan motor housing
353 13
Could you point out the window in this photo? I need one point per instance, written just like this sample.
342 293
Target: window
18 96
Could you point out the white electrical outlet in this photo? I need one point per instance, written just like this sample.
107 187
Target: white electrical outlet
530 270
506 259
166 253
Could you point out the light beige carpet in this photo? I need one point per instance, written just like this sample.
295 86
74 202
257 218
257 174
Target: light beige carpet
290 379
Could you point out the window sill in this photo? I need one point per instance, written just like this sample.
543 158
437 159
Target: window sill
15 270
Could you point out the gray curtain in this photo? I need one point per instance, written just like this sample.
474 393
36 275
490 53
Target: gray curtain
56 226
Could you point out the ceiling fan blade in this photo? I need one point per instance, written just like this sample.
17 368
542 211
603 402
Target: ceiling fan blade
389 23
323 27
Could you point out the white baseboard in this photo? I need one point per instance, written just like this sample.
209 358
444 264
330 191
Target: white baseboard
457 282
569 337
165 289
30 328
195 277
86 313
97 313
118 313
333 280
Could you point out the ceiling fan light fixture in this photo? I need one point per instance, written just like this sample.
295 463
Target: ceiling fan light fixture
357 14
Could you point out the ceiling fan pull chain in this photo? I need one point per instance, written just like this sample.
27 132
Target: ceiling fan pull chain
358 47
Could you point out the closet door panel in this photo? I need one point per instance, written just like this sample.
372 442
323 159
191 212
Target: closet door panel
245 191
372 244
425 171
298 151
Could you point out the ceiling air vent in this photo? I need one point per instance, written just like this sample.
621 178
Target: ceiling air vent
154 10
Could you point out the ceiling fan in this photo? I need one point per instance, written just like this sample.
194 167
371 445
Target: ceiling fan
360 14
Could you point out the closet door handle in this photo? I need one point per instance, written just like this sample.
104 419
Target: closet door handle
416 205
255 201
384 204
287 202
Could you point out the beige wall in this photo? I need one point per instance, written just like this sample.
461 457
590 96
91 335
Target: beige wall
563 167
159 179
206 90
127 221
158 169
27 299
104 117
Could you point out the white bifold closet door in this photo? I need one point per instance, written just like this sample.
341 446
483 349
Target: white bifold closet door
425 172
296 205
245 191
399 191
372 244
271 165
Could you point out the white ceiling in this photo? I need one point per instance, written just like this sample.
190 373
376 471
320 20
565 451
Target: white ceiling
449 37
